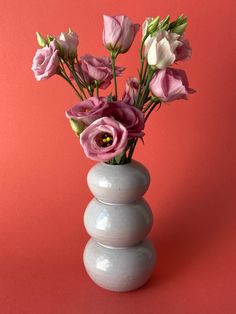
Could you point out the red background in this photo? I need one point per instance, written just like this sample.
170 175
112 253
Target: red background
189 150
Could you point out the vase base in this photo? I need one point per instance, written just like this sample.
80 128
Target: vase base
119 269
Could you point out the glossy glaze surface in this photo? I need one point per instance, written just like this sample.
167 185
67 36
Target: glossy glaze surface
119 269
119 184
118 225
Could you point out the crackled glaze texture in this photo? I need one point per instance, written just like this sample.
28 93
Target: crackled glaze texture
119 257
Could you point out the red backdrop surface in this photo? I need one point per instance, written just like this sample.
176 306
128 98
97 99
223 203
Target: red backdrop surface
189 150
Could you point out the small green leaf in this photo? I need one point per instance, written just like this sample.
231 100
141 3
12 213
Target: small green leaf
109 98
41 41
77 126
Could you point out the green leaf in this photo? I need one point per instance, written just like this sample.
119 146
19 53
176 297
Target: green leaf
109 98
41 41
77 126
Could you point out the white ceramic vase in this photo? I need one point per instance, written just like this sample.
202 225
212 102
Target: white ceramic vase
118 256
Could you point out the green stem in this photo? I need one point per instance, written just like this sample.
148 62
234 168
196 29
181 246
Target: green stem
148 105
142 59
113 59
146 89
63 75
145 73
97 88
152 108
72 70
132 147
134 143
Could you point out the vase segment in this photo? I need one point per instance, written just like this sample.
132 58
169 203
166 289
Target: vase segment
118 225
123 269
120 184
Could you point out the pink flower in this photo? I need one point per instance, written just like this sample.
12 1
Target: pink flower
184 51
45 62
131 117
87 110
131 89
67 44
97 69
119 32
104 139
170 84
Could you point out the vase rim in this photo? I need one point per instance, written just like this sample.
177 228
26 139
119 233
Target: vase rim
133 161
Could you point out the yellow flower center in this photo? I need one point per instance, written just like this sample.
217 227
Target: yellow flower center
104 140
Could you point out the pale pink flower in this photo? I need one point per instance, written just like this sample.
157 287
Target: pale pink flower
131 89
88 110
45 62
170 84
98 69
104 139
119 32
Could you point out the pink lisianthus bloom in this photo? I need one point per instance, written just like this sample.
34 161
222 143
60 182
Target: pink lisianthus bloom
170 84
130 116
93 69
104 139
119 33
88 110
45 62
131 89
67 44
184 51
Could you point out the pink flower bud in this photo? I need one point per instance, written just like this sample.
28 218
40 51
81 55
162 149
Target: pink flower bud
170 84
184 51
119 32
131 89
97 69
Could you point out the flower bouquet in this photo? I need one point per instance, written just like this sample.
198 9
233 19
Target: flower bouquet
118 256
108 127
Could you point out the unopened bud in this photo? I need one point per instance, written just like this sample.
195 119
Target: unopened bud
77 126
153 25
41 41
179 29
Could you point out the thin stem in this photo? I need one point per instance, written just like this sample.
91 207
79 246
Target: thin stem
132 147
72 70
63 75
152 108
113 59
142 59
148 105
146 89
145 73
97 88
134 143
